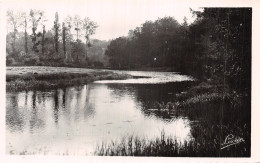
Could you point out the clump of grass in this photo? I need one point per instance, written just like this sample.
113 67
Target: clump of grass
214 103
203 94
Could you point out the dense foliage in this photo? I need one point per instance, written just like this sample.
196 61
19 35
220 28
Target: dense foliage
217 45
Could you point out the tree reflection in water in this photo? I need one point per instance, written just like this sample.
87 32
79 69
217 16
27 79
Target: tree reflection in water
151 96
92 113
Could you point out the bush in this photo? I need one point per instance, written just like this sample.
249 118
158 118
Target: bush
57 59
10 61
40 63
31 60
98 64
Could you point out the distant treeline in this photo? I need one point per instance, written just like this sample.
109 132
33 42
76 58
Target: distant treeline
67 43
217 45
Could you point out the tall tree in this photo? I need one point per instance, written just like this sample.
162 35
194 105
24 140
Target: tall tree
14 21
43 39
35 18
89 28
69 37
25 18
78 25
116 51
185 42
64 33
56 32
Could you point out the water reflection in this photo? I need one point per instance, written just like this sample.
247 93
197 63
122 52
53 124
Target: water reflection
151 96
14 115
73 120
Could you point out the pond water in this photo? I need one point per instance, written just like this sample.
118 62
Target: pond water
74 120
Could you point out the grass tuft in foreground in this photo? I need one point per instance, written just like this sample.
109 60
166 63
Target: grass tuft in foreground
206 144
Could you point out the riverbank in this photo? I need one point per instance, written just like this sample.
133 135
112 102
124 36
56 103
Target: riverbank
221 113
212 111
35 77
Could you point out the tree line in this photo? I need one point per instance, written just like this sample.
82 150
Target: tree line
216 46
30 43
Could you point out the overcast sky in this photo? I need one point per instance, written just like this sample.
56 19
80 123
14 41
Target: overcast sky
114 17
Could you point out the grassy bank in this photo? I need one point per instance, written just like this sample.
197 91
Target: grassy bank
166 146
206 141
214 112
27 78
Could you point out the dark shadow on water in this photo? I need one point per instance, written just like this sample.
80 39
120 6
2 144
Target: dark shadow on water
56 107
152 95
14 115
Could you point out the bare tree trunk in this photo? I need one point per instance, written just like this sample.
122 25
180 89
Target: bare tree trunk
56 35
77 31
25 37
64 48
34 38
14 39
64 39
43 39
86 50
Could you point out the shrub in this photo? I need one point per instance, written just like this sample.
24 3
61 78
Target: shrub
10 61
31 60
98 64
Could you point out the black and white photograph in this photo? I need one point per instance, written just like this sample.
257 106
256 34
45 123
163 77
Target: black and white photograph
127 78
